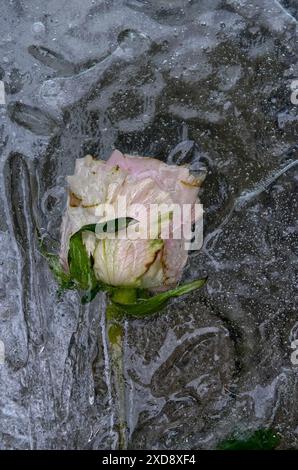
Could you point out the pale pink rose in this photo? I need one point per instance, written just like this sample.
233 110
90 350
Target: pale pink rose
154 264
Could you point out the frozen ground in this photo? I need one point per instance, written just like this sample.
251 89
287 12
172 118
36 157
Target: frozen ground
144 76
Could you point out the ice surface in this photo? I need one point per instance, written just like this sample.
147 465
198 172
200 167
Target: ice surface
203 82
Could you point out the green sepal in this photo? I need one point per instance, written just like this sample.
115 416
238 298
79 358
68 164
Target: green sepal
143 307
110 226
263 439
81 269
63 279
92 293
80 264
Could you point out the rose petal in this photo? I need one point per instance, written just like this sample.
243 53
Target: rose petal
175 180
120 262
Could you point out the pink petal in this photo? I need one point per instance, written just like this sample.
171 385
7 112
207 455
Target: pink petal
182 189
176 180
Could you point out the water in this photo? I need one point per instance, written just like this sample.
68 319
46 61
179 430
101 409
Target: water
202 82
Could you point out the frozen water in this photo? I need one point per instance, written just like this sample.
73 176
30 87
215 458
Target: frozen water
38 28
202 82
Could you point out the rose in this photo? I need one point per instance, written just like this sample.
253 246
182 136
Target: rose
104 252
156 264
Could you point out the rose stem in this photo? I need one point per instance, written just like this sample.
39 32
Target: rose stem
115 330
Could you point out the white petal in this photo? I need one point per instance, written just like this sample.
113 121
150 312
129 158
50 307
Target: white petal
94 182
123 262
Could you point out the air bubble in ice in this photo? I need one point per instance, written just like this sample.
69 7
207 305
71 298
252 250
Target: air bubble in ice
130 39
38 28
50 88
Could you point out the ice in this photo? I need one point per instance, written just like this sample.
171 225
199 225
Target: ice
202 82
38 28
61 92
32 118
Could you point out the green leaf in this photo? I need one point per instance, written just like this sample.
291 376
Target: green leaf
148 306
110 226
263 439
